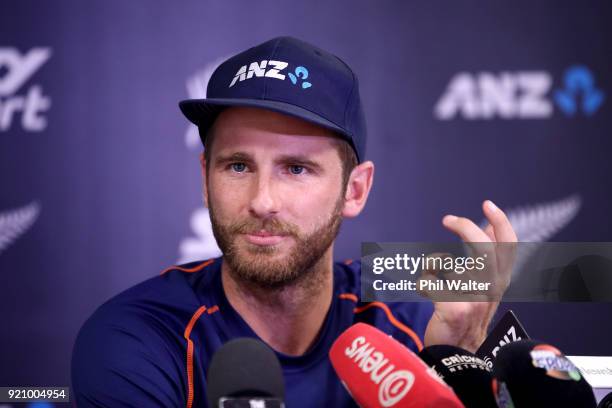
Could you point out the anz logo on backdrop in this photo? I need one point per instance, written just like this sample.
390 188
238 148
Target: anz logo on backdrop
520 95
30 103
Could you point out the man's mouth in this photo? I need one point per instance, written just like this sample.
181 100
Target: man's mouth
263 237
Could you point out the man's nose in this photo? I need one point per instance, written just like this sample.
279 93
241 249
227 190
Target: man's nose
264 201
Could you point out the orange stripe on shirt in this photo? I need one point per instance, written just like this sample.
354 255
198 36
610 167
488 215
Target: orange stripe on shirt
349 296
196 268
187 335
394 321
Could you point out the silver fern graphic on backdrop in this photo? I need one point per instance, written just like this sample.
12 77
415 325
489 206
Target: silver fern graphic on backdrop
539 223
14 223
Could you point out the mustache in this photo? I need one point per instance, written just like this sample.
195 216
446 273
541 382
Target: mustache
273 226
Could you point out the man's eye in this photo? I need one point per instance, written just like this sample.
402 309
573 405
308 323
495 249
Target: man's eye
238 167
296 169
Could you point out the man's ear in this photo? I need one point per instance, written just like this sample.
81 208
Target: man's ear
204 184
358 189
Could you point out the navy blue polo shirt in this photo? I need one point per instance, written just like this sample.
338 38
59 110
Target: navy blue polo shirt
150 346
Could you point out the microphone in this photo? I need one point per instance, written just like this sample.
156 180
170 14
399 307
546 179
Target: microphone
244 373
529 373
506 330
380 372
606 401
469 376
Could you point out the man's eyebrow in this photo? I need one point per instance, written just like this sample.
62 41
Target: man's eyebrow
299 160
233 157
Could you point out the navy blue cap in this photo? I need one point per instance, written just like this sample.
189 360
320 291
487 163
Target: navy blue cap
289 76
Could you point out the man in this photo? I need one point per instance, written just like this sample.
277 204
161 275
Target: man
284 137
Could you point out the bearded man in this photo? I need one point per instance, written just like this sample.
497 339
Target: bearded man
284 162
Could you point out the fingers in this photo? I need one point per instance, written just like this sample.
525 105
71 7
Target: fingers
435 277
431 266
502 228
505 236
468 321
465 228
477 241
430 273
497 242
490 232
498 230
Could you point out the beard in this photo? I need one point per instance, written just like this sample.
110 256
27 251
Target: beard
260 266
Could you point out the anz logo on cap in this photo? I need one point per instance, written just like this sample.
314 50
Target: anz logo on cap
272 69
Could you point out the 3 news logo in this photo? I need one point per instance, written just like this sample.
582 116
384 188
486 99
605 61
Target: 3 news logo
520 95
16 69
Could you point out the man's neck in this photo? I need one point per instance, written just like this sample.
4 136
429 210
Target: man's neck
287 319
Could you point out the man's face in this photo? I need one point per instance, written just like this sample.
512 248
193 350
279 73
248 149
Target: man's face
275 194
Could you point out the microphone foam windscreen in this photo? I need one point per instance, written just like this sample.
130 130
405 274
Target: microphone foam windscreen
244 367
469 376
529 373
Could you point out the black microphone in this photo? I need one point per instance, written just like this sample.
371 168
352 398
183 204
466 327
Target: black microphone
469 376
244 373
506 330
530 373
606 402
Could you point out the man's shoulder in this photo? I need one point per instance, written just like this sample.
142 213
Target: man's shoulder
174 284
140 330
167 298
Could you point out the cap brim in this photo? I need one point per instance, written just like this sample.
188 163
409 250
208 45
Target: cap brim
203 112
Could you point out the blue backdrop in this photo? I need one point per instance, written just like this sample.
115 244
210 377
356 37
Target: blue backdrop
99 177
